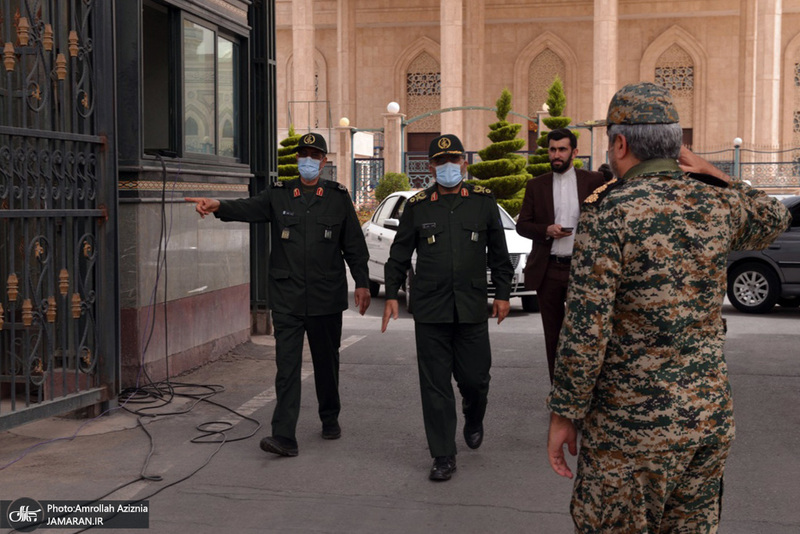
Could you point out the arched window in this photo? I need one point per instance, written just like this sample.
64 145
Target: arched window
543 70
227 129
674 70
423 92
191 126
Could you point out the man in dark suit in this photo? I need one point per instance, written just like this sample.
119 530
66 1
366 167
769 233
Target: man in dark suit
548 216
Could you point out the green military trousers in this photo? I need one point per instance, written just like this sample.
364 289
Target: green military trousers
324 338
446 350
666 492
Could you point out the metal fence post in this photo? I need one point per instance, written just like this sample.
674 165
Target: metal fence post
737 145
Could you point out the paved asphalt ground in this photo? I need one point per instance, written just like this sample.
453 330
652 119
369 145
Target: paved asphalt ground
374 479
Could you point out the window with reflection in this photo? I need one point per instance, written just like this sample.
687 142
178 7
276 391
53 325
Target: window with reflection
210 92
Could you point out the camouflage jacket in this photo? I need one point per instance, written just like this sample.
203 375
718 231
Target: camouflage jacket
640 359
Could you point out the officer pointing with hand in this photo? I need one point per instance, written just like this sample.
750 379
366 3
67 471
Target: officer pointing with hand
314 231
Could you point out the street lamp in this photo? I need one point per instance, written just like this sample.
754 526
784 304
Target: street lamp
393 107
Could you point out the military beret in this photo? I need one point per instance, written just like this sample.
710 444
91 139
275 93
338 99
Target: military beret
312 140
642 103
445 145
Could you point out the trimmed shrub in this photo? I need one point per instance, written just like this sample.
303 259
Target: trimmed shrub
391 182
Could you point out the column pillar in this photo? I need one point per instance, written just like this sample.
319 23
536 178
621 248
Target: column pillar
768 73
475 126
748 33
393 142
452 39
302 112
344 157
604 71
346 51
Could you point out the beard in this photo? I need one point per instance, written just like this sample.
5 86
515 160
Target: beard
560 166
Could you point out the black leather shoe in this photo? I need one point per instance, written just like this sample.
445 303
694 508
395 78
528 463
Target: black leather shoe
333 431
443 468
473 435
279 445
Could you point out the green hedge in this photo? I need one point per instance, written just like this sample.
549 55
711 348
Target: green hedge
391 182
292 140
511 205
499 150
504 186
288 170
288 159
509 131
556 122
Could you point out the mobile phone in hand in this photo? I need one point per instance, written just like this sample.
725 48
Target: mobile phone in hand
566 229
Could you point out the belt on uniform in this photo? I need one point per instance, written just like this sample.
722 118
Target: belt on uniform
560 259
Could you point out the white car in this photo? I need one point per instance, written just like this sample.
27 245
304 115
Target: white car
380 229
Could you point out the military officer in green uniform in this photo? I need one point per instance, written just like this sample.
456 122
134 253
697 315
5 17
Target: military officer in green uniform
314 230
640 364
452 226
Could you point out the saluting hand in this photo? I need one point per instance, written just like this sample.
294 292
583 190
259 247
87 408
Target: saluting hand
500 309
389 311
204 206
362 299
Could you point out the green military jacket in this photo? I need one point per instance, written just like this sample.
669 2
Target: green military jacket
452 237
640 359
311 240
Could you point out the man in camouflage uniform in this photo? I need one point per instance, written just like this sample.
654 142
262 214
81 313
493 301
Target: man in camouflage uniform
640 360
456 231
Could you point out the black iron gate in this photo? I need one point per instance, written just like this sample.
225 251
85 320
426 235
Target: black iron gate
58 269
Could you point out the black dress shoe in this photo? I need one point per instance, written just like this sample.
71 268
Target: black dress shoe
279 445
443 468
333 431
473 435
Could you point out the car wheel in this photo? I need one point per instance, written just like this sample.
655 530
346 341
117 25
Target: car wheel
789 302
374 288
530 303
409 276
753 288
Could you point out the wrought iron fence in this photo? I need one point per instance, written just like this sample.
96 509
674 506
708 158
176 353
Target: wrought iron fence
367 173
57 192
765 169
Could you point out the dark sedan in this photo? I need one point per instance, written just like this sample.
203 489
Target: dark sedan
759 279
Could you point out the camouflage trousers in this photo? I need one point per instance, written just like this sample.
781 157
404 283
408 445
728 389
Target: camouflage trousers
655 493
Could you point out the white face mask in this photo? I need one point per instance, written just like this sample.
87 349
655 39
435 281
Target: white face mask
308 168
448 174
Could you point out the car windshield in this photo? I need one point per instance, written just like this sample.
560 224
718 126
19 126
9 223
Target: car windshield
505 218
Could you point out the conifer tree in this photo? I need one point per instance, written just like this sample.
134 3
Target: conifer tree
287 160
556 101
500 169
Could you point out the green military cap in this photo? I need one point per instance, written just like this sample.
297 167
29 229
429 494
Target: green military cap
445 144
312 140
642 103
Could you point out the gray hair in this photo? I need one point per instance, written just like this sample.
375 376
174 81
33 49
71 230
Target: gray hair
649 141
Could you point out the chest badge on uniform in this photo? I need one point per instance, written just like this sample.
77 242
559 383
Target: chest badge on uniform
285 233
431 239
474 237
328 233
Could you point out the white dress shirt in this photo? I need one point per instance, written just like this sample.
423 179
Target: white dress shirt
567 210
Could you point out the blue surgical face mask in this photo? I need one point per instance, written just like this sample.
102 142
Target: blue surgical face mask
308 168
448 174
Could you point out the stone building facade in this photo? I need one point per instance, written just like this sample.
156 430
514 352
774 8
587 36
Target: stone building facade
732 65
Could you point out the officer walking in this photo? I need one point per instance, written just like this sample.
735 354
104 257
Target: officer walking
452 225
314 231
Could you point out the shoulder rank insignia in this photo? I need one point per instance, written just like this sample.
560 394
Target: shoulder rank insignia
422 195
481 190
279 183
601 191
